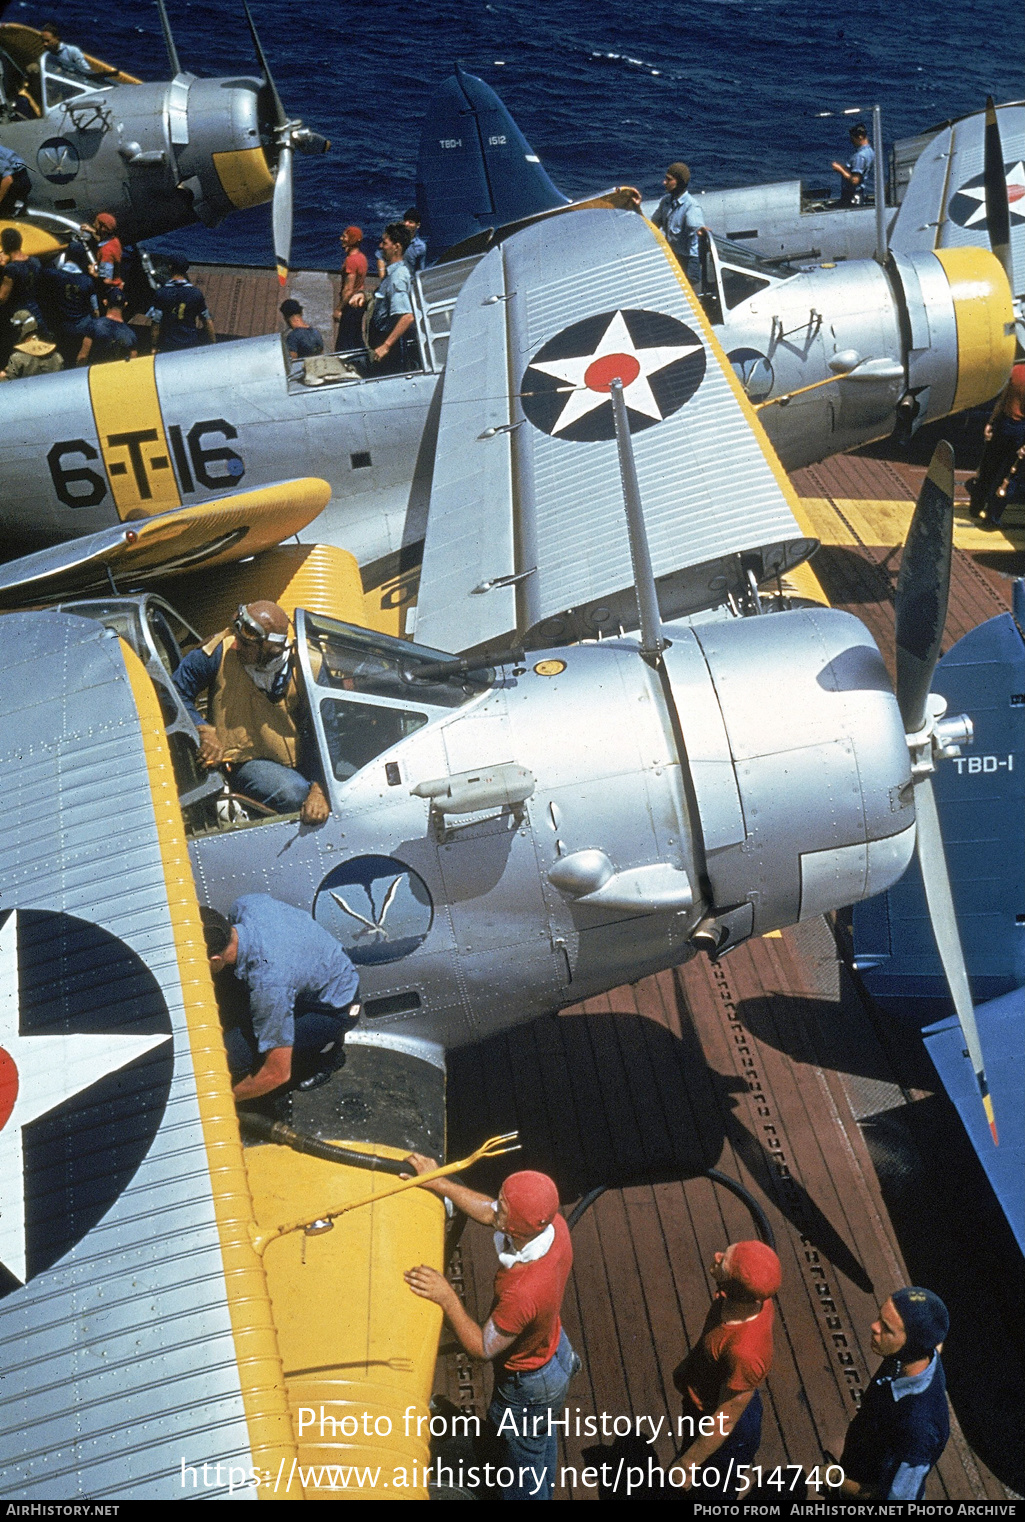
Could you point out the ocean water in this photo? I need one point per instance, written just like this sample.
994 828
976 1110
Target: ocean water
606 93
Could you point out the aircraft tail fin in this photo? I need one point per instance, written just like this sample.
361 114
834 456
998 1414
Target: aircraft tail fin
979 797
476 170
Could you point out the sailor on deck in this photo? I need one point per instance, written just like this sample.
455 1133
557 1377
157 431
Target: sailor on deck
681 219
854 174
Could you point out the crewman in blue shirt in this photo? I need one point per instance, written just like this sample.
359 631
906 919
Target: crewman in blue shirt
416 254
179 312
15 184
854 174
63 55
681 219
69 299
303 994
392 345
301 341
902 1424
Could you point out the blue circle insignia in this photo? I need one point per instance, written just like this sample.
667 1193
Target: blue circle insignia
753 371
377 907
58 160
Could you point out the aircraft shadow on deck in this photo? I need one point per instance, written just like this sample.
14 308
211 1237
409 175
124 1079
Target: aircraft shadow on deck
616 1099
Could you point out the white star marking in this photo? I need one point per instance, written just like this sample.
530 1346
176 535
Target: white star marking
1015 192
640 363
47 1070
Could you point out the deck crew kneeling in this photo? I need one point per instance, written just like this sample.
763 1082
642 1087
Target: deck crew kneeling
251 675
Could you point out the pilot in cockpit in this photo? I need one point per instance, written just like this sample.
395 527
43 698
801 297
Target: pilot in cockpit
255 711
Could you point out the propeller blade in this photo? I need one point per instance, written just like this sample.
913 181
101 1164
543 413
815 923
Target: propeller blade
172 51
282 213
931 857
998 211
282 119
922 588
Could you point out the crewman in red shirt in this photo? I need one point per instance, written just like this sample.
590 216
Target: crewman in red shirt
351 296
720 1376
523 1335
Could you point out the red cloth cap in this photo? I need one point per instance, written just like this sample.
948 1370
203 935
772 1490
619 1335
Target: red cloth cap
106 220
754 1267
532 1199
354 232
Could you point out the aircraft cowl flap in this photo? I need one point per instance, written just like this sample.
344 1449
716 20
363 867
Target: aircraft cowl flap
557 328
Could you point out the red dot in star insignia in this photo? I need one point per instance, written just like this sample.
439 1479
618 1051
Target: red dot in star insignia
1015 192
600 375
8 1086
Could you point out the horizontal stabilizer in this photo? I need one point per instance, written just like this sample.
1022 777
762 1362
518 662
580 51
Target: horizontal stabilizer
526 532
1001 1025
207 535
476 170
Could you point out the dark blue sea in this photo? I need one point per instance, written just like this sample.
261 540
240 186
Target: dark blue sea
607 93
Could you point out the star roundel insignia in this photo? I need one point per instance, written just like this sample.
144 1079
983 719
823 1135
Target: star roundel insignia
968 204
85 1067
565 389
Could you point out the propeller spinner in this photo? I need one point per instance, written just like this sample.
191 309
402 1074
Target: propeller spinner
921 605
289 134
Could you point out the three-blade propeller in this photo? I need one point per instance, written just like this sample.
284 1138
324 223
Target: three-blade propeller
289 134
921 605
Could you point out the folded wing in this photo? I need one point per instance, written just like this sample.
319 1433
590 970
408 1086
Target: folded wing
526 533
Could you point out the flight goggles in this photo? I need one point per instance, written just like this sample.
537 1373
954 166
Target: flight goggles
245 624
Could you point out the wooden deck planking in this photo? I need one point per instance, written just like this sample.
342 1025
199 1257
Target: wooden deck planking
644 1087
659 1078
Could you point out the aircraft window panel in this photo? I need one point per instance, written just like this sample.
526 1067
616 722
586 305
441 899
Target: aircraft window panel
359 661
357 733
58 86
746 259
737 286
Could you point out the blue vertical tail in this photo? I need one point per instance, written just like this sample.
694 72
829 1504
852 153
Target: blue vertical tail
476 170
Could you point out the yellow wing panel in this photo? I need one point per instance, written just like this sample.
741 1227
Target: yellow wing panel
358 1347
256 1344
209 534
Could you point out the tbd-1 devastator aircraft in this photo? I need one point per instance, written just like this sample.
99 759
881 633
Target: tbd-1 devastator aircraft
508 354
509 833
159 156
833 356
925 335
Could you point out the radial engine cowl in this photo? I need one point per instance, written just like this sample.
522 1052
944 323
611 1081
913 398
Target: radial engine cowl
800 767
